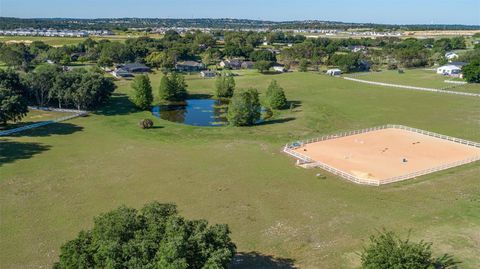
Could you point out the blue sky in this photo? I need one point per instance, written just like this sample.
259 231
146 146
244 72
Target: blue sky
377 11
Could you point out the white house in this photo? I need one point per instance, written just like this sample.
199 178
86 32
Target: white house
334 72
451 55
449 70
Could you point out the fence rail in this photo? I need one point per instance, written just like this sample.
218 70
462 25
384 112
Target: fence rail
77 113
412 87
290 149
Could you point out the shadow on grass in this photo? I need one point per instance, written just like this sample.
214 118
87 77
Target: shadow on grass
272 73
200 96
119 104
57 128
275 121
10 151
293 104
255 260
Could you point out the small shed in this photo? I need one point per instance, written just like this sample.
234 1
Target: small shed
334 72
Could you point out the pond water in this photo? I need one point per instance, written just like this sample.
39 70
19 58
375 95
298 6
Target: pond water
198 112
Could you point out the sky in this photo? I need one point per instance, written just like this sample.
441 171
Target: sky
374 11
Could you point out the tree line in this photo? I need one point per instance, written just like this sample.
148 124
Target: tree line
49 85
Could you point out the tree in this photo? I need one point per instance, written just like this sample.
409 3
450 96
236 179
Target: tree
263 55
82 89
162 59
13 106
303 65
224 86
142 92
244 108
275 96
173 88
386 250
153 237
41 81
471 72
262 66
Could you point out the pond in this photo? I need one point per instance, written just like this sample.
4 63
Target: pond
197 112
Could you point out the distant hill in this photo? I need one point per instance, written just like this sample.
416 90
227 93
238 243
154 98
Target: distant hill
123 23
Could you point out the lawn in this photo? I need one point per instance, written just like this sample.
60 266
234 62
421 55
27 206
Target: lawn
411 77
34 116
54 180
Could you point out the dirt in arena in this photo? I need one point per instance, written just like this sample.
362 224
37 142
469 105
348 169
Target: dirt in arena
386 153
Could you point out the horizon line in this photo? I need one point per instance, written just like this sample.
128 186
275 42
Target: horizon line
226 18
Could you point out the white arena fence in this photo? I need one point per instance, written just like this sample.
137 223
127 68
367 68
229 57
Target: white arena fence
412 87
307 161
75 113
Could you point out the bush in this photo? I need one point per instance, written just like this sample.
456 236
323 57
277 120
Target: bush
146 124
153 237
386 250
244 108
275 96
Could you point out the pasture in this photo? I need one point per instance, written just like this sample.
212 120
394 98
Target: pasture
54 180
416 77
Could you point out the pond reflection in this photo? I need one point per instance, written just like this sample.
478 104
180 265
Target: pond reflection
198 112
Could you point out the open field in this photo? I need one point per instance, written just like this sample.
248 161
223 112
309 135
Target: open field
54 180
56 41
34 116
416 77
383 154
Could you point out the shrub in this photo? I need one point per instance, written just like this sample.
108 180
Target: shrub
386 250
146 124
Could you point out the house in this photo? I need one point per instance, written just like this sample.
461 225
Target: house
279 68
121 73
334 72
449 70
457 64
135 68
451 55
357 48
231 64
247 65
208 74
235 64
189 66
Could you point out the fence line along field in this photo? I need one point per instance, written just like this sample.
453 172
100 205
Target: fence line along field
386 154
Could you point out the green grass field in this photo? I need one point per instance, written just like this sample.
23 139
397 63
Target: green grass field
54 180
415 77
56 41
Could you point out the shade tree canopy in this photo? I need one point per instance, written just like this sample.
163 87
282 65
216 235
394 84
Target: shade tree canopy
154 237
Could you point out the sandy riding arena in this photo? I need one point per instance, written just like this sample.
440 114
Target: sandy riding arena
384 154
